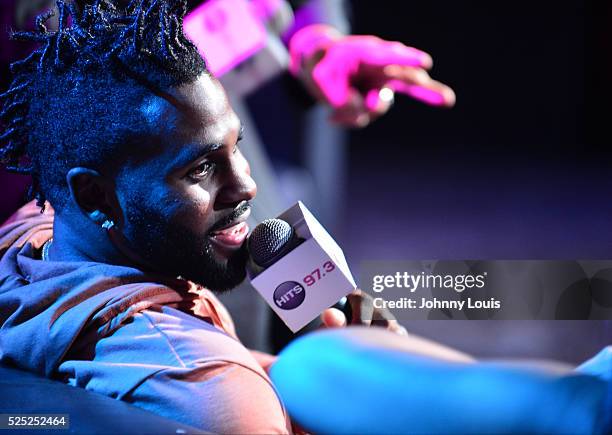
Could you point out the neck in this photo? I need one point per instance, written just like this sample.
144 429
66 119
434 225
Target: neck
82 241
93 244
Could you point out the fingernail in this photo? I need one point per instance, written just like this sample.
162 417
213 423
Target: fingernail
426 61
450 97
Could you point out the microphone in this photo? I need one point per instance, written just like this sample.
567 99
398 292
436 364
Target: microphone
297 267
271 240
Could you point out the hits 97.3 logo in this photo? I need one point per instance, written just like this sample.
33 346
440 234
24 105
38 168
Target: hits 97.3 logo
289 295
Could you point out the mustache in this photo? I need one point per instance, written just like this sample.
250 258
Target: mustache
240 209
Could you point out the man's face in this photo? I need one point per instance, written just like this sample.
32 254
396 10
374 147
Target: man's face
185 191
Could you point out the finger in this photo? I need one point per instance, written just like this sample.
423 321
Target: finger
419 85
379 52
333 318
407 80
408 74
350 120
433 93
362 312
353 113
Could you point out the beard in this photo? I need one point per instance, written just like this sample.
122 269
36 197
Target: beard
177 251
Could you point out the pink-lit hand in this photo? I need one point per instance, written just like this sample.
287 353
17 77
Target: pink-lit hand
358 75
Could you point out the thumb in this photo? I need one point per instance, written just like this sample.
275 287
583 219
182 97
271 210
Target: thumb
333 318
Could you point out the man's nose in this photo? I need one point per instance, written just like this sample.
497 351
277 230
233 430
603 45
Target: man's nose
239 186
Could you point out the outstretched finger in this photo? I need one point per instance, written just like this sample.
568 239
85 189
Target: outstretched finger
381 53
433 93
416 83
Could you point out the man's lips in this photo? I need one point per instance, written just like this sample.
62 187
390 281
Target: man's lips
234 233
233 236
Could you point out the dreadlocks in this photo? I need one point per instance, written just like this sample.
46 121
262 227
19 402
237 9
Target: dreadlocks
71 101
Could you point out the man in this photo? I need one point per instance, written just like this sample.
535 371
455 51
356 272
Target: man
133 151
316 29
134 145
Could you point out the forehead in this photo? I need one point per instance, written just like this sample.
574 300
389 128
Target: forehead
196 112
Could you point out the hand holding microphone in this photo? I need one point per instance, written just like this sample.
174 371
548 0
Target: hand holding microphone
362 312
300 271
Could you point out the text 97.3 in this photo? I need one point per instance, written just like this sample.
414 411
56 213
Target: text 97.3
319 273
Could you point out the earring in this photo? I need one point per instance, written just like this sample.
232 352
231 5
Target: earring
108 224
98 217
101 219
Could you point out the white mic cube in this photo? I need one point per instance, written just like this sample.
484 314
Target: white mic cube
310 278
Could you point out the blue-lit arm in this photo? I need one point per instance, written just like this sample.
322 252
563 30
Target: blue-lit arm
352 381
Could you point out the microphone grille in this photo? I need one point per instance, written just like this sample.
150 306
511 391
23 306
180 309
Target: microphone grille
268 240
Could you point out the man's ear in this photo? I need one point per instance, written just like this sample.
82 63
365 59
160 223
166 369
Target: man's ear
92 193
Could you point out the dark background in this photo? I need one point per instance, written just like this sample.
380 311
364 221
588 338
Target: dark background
520 168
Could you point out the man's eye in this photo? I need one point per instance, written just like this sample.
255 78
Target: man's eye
237 146
201 171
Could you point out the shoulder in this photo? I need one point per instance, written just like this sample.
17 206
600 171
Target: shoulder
186 369
31 211
27 224
186 339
